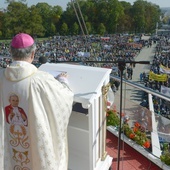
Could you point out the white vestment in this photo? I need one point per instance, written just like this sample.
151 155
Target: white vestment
41 143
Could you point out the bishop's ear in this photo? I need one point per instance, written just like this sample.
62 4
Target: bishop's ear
32 55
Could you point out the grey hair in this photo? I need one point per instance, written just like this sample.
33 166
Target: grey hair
22 53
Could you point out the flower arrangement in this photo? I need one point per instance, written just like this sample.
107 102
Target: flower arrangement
112 118
137 134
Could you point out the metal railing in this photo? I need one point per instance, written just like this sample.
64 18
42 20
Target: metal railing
158 134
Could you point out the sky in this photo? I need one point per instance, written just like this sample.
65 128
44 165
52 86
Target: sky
63 3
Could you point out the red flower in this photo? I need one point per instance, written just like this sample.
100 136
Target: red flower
147 144
132 136
135 129
137 124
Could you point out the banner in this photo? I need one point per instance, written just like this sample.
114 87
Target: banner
157 77
164 69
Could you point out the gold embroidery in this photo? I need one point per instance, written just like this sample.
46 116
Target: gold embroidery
18 136
17 167
21 157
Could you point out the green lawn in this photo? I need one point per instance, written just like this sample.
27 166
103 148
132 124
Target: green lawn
9 40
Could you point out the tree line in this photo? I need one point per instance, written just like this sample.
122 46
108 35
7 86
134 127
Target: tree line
100 17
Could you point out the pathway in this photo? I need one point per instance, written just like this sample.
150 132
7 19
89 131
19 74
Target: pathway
131 97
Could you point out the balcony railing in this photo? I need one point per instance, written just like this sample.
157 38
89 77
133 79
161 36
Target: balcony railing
157 124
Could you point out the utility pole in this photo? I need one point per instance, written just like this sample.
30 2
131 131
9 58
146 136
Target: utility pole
80 18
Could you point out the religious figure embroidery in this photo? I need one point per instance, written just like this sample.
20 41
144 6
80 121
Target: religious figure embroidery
17 122
14 113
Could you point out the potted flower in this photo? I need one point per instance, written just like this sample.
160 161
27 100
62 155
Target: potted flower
137 134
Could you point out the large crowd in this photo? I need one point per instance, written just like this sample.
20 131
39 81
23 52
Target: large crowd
78 48
109 48
161 58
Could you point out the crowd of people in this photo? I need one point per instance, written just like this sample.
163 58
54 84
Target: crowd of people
78 48
161 58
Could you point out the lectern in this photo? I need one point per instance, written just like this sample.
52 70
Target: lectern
87 125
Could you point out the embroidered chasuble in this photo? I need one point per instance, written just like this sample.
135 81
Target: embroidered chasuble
34 114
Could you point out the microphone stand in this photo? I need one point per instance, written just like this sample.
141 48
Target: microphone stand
121 67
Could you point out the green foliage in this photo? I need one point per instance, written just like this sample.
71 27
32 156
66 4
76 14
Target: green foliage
165 157
75 29
35 26
45 11
0 34
89 27
101 29
16 18
100 16
64 29
112 118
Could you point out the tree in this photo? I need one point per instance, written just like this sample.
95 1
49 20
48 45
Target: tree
35 26
152 15
101 29
99 16
64 29
139 15
75 29
89 27
113 11
53 29
68 16
1 23
16 18
56 17
45 11
125 21
145 16
56 14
